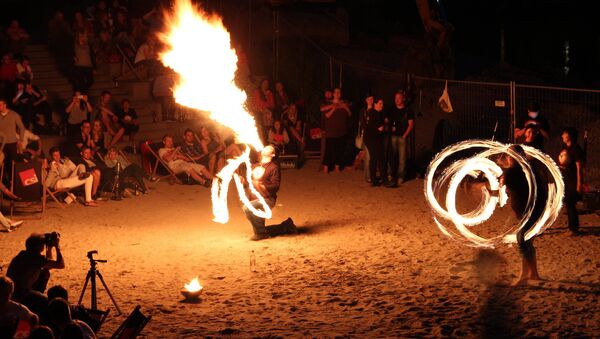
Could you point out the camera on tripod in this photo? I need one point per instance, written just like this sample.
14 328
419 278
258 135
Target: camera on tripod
51 239
90 256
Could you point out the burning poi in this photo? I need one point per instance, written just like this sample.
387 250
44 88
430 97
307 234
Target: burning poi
198 48
451 177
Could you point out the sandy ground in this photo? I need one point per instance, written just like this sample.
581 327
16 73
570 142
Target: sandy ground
369 262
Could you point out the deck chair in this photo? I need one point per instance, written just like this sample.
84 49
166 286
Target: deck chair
55 194
27 184
159 168
132 326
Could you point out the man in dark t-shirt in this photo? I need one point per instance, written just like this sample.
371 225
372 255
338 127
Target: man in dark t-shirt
335 120
540 126
401 121
30 270
571 164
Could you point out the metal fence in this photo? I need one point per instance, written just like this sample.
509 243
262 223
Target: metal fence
488 109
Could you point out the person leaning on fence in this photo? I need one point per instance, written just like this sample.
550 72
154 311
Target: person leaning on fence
571 164
64 174
536 120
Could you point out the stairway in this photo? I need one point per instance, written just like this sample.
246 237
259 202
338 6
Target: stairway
48 77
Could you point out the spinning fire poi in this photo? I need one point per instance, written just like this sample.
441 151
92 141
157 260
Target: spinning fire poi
451 177
198 48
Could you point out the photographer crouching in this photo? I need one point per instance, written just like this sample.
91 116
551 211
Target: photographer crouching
30 269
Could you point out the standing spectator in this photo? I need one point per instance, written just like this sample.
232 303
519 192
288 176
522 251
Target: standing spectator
162 91
336 117
60 38
17 37
78 111
129 119
373 124
282 100
537 120
83 64
81 26
109 119
264 104
401 122
570 162
10 123
24 70
361 130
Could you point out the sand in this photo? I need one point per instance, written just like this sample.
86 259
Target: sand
369 262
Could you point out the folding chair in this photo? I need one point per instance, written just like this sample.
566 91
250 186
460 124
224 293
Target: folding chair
159 163
132 326
54 193
26 183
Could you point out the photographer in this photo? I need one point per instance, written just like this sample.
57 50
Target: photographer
78 111
30 269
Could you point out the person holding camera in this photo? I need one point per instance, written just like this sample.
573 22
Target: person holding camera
79 110
64 174
30 269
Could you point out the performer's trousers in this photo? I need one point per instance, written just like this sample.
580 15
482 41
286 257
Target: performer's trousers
258 223
571 198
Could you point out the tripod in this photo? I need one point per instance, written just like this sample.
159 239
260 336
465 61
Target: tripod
91 276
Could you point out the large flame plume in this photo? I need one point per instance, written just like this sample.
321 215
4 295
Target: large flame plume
198 48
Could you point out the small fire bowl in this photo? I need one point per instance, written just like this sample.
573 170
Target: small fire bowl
191 295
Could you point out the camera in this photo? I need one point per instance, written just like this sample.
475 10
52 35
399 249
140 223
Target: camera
90 256
51 239
80 97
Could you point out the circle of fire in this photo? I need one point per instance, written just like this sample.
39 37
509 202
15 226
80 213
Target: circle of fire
480 163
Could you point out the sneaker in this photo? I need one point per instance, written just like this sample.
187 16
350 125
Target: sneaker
258 237
290 227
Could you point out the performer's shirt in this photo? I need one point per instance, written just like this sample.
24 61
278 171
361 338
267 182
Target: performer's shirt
271 179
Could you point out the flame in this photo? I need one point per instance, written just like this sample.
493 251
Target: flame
193 286
198 48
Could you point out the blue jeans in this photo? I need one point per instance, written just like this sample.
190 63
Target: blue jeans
397 158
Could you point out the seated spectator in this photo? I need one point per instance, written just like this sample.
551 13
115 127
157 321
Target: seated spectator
264 104
31 147
7 223
83 64
128 170
63 325
24 70
192 149
98 137
146 57
121 26
41 111
77 311
8 72
79 110
180 163
11 310
23 104
63 173
42 332
129 119
278 136
60 38
30 269
17 37
295 129
105 50
109 119
83 138
212 147
102 175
